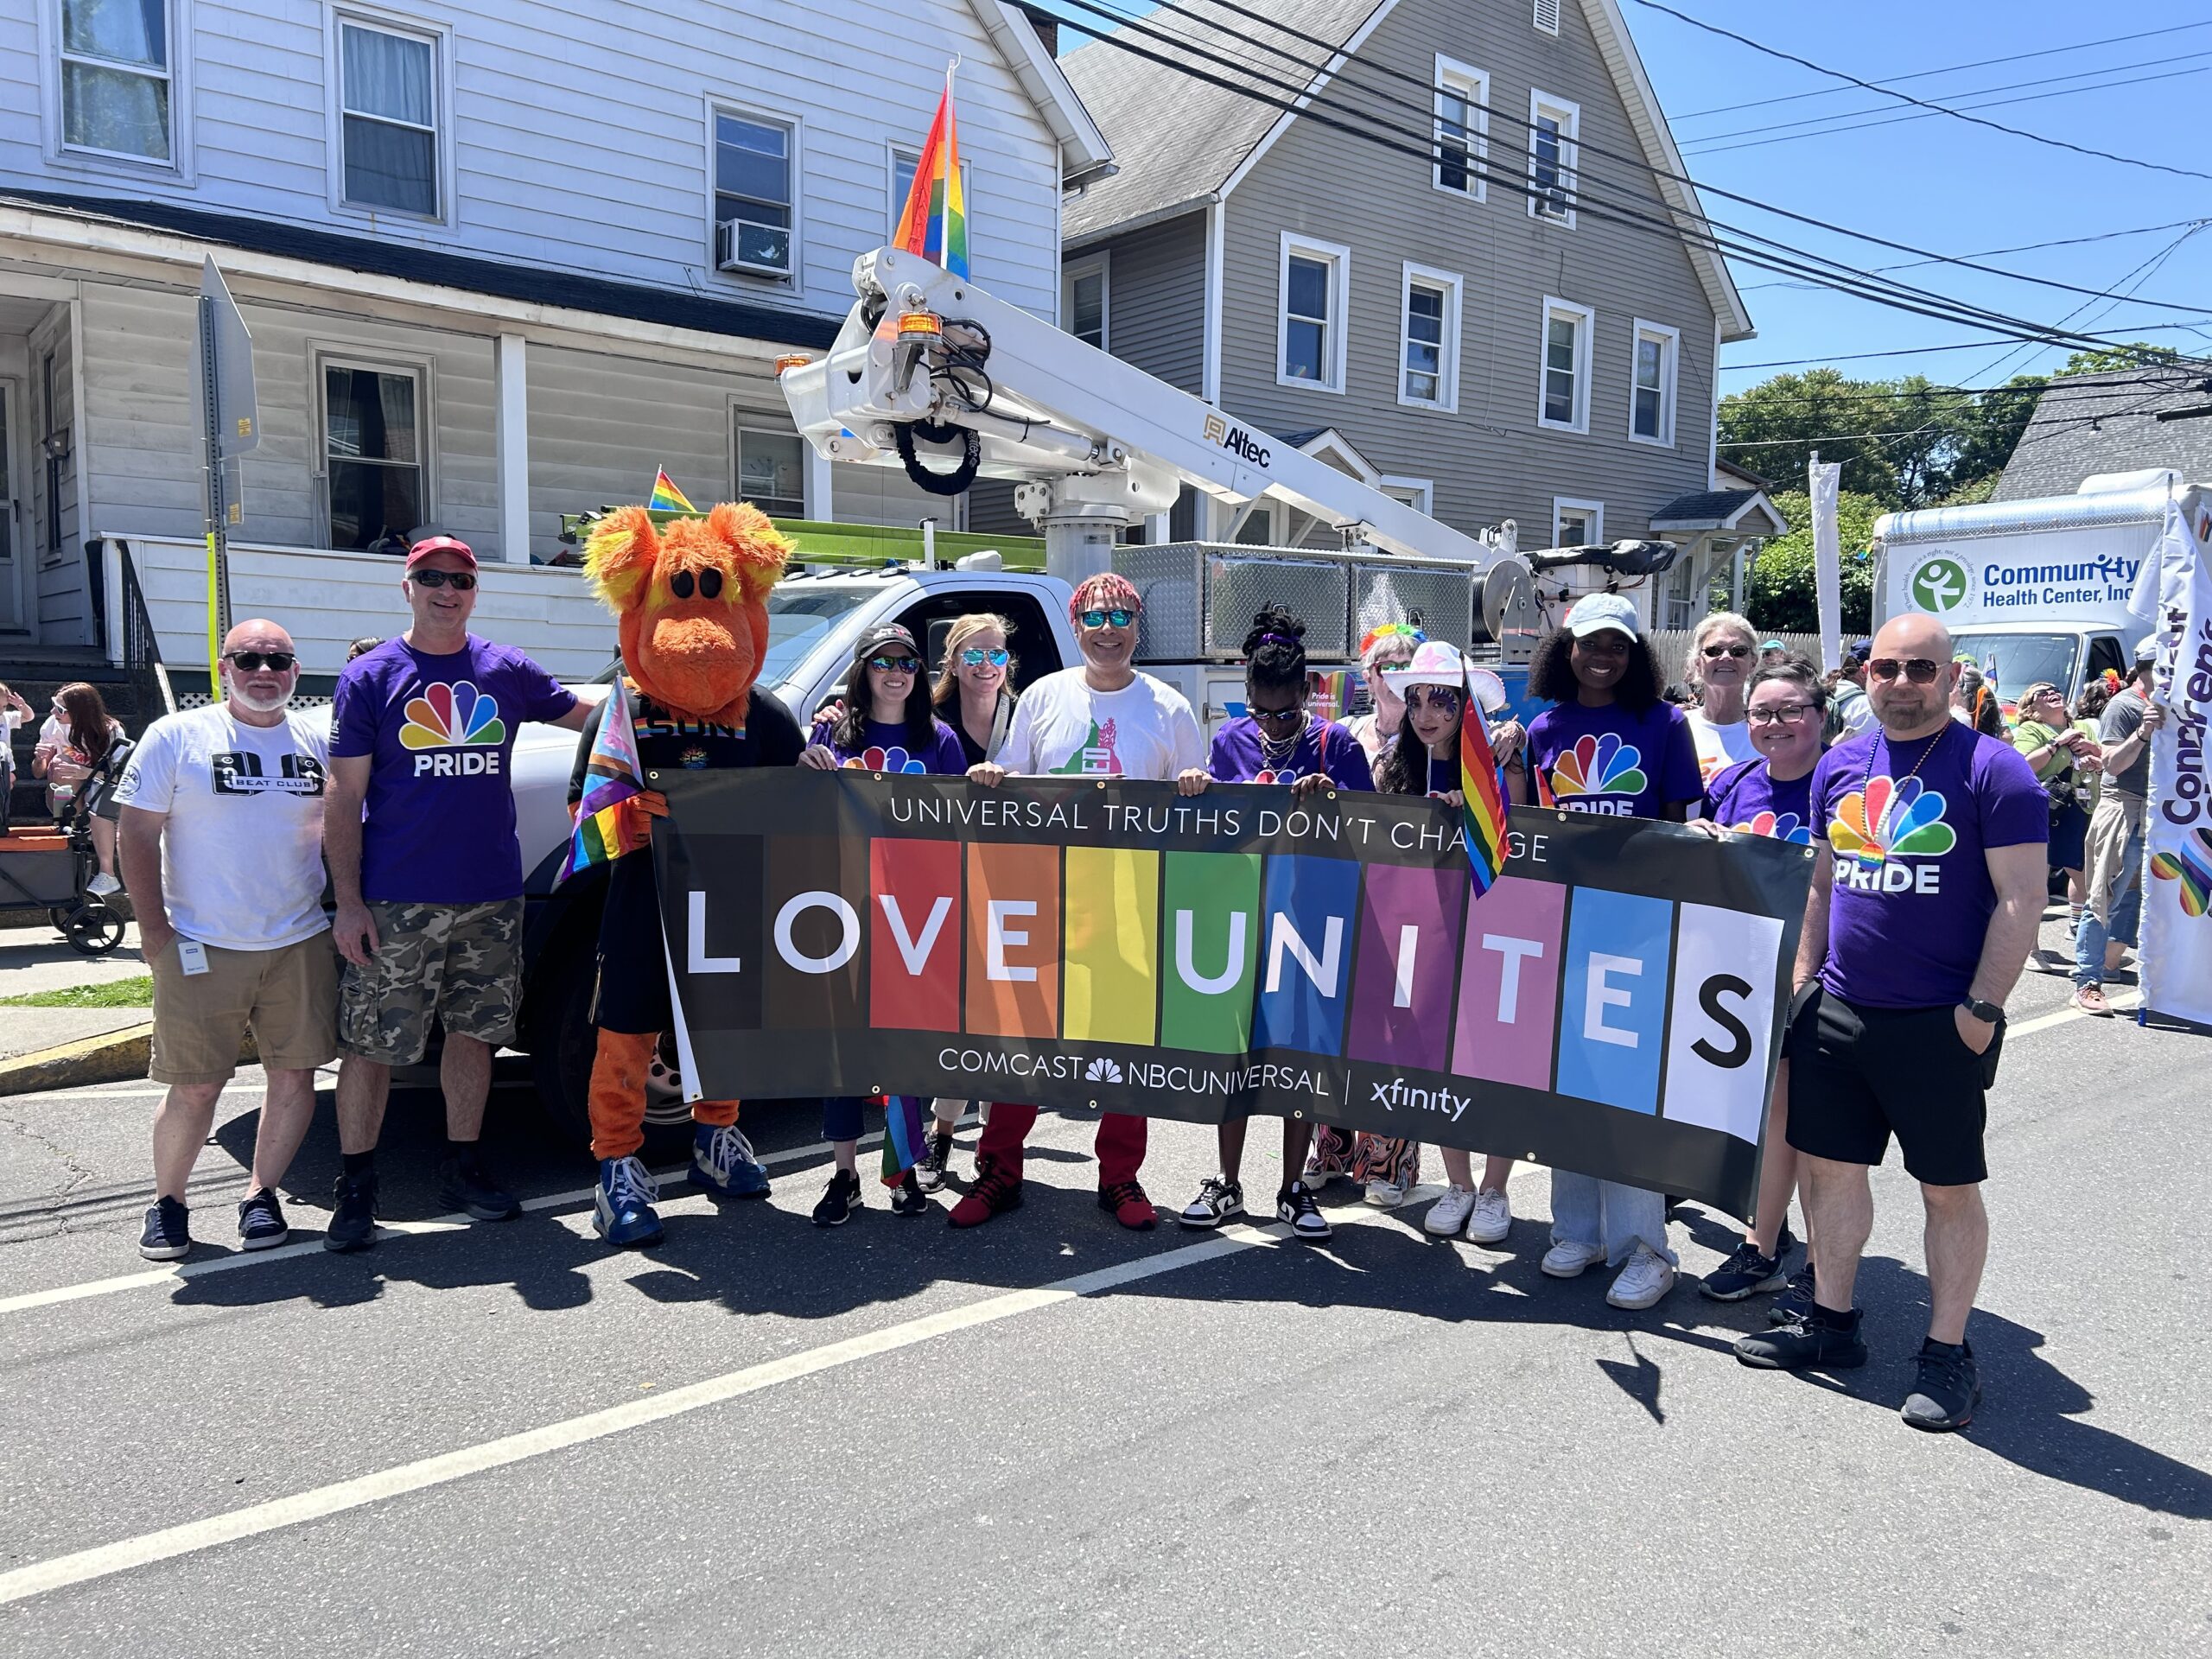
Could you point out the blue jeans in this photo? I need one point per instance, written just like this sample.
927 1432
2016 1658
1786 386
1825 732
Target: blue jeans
841 1117
1586 1211
2113 913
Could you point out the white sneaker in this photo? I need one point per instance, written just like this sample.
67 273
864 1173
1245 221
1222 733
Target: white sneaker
1570 1259
1449 1213
103 884
1492 1219
1387 1195
1645 1277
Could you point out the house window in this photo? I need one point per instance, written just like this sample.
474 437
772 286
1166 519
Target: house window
1576 524
753 195
1313 280
1429 327
1552 125
1462 134
1083 302
1547 18
1651 390
772 472
904 164
1564 400
388 119
115 78
1416 492
372 424
1258 529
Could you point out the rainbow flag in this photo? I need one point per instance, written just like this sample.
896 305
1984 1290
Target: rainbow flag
666 496
905 1143
934 222
607 821
1483 796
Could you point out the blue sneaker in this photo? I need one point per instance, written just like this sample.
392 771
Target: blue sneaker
623 1212
723 1164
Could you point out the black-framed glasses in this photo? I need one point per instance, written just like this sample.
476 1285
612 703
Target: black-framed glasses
1278 716
1921 670
280 662
895 664
1442 697
1781 714
1117 617
975 656
1712 651
459 580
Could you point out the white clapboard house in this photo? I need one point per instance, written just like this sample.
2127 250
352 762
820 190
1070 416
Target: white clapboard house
499 260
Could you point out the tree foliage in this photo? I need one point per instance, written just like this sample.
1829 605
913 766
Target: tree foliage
1778 592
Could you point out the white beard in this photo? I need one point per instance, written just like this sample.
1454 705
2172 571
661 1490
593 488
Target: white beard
261 705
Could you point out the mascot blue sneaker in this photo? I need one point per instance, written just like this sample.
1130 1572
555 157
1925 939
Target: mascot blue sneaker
623 1213
723 1164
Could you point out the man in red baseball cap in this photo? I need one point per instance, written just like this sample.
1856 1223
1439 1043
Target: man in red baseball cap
422 550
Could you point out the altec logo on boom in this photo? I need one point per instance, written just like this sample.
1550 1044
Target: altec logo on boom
1236 440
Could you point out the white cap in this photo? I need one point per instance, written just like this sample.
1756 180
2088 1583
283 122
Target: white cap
1436 663
2146 649
1594 613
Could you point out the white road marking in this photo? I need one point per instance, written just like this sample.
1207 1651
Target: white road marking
106 1559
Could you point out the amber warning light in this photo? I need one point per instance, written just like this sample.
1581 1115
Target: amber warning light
792 360
920 322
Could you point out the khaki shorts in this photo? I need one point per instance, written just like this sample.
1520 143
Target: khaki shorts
287 997
462 964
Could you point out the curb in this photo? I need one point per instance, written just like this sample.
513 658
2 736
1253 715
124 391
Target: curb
112 1056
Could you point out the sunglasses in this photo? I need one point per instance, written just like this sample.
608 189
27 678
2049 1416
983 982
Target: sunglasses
277 661
459 580
1441 697
1710 652
895 664
1781 714
975 656
1921 670
1279 716
1117 617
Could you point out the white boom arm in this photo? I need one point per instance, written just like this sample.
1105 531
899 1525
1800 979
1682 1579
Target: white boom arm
930 370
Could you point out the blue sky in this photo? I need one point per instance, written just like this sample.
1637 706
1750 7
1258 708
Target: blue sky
1942 184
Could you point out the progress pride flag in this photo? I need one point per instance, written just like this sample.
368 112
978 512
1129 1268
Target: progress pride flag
1613 1004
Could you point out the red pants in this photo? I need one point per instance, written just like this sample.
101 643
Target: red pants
1120 1145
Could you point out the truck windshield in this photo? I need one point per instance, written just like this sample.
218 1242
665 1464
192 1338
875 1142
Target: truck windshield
798 619
2021 659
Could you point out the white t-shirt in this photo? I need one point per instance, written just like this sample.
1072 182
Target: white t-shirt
1144 730
242 853
1720 745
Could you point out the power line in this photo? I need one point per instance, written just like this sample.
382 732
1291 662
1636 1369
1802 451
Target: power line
1907 97
2177 360
2025 247
1924 75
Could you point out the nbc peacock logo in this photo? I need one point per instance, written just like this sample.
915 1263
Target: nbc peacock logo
1597 765
893 758
1777 826
2189 867
1886 821
456 731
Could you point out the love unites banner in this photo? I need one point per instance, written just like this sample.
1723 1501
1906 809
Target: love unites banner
1614 1004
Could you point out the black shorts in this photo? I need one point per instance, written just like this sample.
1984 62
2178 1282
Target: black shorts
632 994
1858 1076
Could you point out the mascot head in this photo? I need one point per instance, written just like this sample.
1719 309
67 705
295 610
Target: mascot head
692 600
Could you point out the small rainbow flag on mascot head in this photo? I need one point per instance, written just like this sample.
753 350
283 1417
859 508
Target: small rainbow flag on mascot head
934 222
666 496
1482 785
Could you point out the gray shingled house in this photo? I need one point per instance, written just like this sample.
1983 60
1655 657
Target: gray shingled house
2086 424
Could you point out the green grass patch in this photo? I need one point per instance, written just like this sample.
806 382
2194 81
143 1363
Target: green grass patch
137 992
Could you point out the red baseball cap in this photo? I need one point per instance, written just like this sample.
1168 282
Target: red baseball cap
430 544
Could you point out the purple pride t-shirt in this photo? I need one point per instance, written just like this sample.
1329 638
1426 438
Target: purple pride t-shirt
1749 797
1323 747
883 748
1617 761
1908 823
440 733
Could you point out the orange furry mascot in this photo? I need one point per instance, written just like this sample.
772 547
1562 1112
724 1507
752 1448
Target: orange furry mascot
691 599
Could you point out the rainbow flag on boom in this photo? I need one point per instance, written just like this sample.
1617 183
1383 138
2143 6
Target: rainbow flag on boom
934 222
608 823
666 498
1482 795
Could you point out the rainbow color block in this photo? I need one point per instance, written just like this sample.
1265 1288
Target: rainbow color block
1482 797
666 498
2190 871
934 222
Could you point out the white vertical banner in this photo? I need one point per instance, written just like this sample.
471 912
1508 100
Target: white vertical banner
1828 560
2177 934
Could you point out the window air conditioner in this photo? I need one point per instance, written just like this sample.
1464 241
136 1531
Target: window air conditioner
745 245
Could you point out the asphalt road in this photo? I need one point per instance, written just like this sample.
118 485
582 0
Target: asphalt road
1053 1437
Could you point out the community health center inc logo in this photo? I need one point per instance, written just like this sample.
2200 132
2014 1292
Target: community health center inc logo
2189 867
1599 766
1890 820
456 731
1939 585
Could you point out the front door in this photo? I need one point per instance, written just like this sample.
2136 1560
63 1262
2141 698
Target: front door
14 511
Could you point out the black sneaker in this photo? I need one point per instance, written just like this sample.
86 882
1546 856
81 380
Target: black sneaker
168 1237
930 1173
1819 1341
1795 1301
1948 1389
1217 1201
352 1214
839 1199
1745 1274
467 1184
1295 1206
907 1198
261 1221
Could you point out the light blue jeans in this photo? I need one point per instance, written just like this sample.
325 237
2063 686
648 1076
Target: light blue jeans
2114 886
1586 1211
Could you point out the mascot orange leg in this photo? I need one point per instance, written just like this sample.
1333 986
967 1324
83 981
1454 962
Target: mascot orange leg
618 1095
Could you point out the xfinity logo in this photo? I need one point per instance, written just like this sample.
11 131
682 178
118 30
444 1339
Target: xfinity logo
1236 440
1397 1092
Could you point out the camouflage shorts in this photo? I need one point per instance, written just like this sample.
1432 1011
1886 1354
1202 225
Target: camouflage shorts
460 962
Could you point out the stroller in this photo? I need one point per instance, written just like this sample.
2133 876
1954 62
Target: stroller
52 871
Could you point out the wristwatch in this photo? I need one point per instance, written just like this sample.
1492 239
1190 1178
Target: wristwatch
1990 1014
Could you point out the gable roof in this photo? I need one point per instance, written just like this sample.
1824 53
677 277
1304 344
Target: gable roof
1180 142
1083 148
2089 423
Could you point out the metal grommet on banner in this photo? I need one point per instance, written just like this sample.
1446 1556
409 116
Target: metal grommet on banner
879 777
875 1088
1094 1103
1297 1117
1562 815
1102 783
652 776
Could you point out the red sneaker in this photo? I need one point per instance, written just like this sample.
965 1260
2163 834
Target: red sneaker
1130 1207
993 1193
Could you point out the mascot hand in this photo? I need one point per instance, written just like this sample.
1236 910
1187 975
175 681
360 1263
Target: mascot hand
651 802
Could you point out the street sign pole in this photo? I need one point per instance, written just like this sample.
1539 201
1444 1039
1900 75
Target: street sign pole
219 558
230 426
